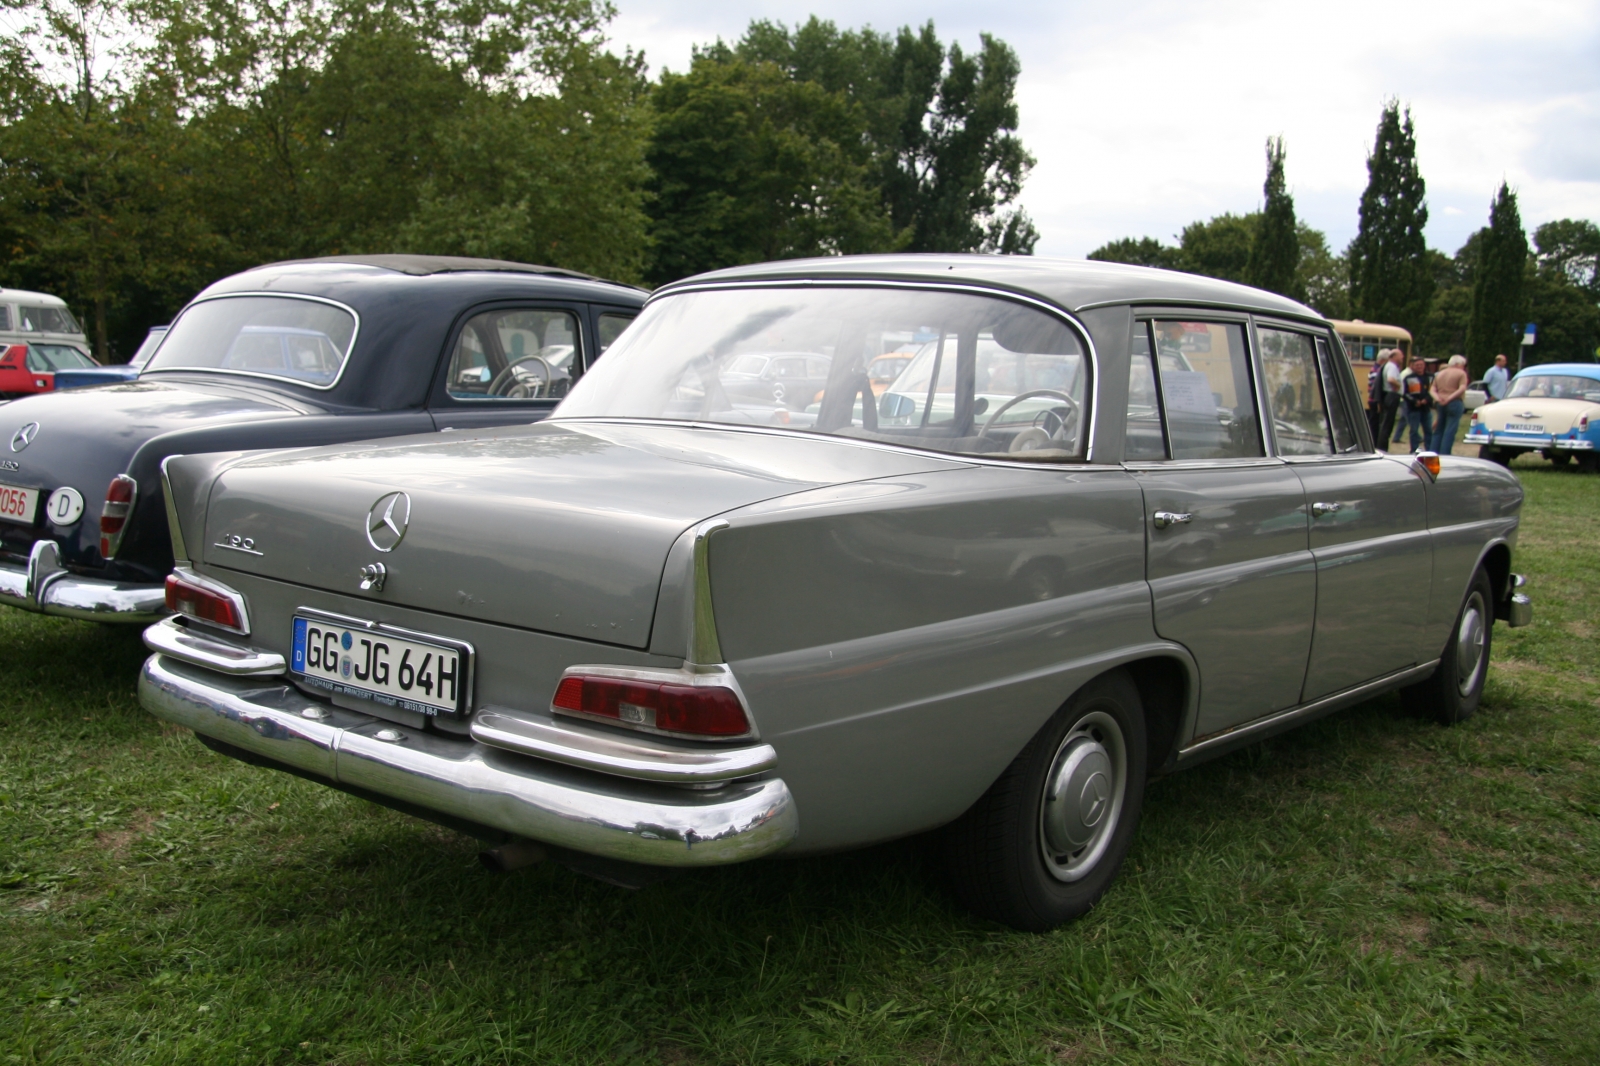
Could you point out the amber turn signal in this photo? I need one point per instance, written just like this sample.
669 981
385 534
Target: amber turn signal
1429 461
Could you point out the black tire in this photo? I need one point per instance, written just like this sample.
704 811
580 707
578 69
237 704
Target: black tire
1558 458
1452 694
1494 455
1588 462
1010 858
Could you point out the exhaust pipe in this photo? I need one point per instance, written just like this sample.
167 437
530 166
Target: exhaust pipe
512 856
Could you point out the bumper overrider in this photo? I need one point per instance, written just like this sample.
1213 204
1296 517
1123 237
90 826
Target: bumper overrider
585 790
44 585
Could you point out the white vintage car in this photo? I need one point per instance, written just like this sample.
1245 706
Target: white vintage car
1553 409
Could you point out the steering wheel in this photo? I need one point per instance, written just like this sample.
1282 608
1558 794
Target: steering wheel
513 381
1034 437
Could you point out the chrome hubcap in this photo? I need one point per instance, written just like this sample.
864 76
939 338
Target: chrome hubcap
1471 636
1083 796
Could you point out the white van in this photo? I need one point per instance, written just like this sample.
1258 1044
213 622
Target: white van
40 320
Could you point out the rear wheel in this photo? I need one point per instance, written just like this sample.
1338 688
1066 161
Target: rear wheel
1045 842
1494 455
1588 462
1452 694
1558 458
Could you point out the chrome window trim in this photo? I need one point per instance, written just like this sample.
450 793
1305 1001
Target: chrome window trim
965 288
343 366
1151 314
1269 426
1156 465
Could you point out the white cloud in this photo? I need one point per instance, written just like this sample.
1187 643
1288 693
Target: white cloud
1145 116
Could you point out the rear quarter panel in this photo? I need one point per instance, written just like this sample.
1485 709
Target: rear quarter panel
889 642
1473 505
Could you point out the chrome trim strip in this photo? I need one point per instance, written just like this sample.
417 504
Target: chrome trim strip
43 585
634 821
173 638
1203 748
621 756
969 288
180 554
349 351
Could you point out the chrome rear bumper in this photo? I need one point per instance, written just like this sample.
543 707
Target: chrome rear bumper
44 585
634 821
1503 440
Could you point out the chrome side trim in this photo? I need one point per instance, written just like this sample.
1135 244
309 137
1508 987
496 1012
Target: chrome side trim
1203 748
619 755
43 585
172 637
633 821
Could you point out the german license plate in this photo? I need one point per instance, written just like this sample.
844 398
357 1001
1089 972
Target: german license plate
18 504
1524 427
372 661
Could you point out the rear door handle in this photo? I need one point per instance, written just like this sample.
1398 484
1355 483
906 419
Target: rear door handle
1320 509
1163 519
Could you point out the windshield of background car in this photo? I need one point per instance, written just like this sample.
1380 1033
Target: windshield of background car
1555 387
46 320
982 375
57 357
303 341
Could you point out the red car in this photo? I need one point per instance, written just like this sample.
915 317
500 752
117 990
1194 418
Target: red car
31 368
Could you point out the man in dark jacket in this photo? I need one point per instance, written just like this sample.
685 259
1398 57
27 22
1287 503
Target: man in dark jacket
1419 404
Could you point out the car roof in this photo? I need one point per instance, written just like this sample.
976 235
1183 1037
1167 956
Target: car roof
43 298
1071 284
1582 370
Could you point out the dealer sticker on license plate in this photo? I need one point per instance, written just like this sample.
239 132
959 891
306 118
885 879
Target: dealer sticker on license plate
18 504
371 661
1524 427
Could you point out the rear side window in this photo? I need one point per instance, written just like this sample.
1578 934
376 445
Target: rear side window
1208 407
611 327
1294 393
293 338
514 355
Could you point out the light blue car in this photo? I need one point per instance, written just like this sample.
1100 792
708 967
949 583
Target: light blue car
1553 409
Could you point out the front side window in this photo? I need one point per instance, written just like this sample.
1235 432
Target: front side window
1294 393
982 375
1206 399
303 341
46 320
514 355
57 357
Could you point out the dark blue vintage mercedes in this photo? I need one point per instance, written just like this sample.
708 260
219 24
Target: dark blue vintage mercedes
319 351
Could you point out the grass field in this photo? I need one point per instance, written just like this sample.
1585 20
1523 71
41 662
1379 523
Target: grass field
1370 889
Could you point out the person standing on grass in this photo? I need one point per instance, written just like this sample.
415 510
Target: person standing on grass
1449 390
1419 404
1498 379
1390 399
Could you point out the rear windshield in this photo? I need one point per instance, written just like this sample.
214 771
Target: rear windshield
952 372
1556 387
57 357
303 341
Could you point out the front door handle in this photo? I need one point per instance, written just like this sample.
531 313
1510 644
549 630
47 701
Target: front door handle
1320 509
1163 519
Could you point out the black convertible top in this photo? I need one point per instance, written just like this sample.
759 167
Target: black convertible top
421 266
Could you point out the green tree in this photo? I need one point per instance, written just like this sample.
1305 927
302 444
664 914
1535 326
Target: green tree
1571 248
1567 316
1220 247
1322 279
1274 258
1139 251
1497 286
1390 280
751 165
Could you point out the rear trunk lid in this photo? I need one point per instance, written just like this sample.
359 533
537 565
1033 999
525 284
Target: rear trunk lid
562 527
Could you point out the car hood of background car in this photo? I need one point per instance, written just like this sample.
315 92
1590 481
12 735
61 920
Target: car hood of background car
561 527
1553 415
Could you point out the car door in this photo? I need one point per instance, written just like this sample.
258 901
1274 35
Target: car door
1227 555
1368 515
509 364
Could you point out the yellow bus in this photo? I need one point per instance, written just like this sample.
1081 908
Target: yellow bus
1364 340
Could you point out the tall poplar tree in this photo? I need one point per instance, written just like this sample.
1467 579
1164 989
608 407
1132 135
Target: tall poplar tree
1275 249
1497 284
1391 281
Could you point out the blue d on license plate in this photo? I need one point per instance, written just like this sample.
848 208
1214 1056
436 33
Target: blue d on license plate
396 667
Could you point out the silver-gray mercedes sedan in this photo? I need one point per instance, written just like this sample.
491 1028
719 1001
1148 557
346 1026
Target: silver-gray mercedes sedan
1090 523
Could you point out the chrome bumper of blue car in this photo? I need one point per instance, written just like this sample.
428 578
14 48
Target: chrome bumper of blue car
1529 440
44 585
634 821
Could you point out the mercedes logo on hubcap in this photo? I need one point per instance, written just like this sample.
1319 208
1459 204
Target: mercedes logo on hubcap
24 436
386 522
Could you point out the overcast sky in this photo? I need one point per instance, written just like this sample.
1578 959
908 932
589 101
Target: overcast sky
1146 115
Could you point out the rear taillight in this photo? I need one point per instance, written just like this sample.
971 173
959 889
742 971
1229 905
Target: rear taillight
654 706
206 601
1583 423
114 515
